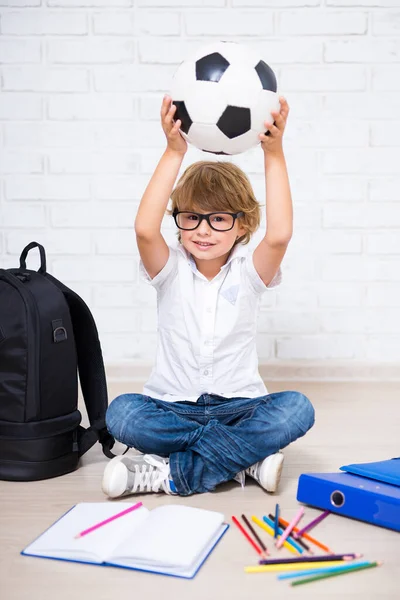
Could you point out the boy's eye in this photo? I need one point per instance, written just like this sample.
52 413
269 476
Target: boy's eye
192 217
219 218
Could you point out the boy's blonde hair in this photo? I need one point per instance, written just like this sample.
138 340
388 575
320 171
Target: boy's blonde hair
217 186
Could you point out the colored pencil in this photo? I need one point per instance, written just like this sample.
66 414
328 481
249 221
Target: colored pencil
259 540
276 521
339 572
301 559
280 531
120 514
308 537
289 528
312 524
246 535
269 530
315 571
292 567
299 541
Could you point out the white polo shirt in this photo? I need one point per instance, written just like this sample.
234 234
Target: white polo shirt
206 329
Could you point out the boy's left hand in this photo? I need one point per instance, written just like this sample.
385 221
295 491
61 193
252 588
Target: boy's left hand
271 141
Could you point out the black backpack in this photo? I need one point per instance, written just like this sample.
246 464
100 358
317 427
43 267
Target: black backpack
47 334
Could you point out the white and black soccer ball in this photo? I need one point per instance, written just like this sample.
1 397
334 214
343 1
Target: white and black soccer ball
224 93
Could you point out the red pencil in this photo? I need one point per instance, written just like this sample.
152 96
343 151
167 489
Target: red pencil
256 548
117 516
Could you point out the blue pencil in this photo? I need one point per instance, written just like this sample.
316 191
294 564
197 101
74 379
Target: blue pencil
322 570
276 521
280 531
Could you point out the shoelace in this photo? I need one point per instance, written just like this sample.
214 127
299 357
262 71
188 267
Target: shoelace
151 476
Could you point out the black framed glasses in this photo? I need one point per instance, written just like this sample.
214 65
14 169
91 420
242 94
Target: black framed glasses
219 221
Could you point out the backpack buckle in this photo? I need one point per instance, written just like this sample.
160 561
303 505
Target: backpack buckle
59 332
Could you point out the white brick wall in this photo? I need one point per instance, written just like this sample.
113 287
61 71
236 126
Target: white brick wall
81 83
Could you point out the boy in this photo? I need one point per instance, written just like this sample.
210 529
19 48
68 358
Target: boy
205 415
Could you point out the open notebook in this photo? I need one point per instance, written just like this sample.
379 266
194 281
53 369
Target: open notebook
170 539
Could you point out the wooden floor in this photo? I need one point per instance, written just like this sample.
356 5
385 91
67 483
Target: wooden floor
354 423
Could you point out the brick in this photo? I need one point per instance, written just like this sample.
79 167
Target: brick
91 51
312 134
287 322
20 162
328 78
157 23
385 23
321 347
364 105
384 243
338 188
344 295
42 79
231 23
94 269
188 3
113 107
121 242
313 22
78 215
133 78
20 3
336 242
385 78
128 347
21 216
362 51
90 3
385 136
88 162
386 189
293 297
55 242
166 51
383 348
47 188
115 23
114 296
123 320
119 187
372 3
366 160
19 51
275 3
20 106
30 22
380 295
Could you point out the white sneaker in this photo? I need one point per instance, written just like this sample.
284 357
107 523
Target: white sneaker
137 474
267 472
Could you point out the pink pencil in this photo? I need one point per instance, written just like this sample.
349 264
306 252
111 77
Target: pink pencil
289 528
120 514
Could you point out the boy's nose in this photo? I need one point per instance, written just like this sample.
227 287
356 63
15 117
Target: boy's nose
204 227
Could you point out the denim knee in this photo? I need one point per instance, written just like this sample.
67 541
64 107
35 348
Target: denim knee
305 411
120 412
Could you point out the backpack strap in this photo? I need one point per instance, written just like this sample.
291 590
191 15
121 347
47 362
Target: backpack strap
91 373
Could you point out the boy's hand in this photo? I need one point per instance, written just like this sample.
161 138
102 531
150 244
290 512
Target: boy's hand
175 140
271 141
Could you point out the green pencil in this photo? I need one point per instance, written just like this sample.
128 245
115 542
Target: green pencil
326 575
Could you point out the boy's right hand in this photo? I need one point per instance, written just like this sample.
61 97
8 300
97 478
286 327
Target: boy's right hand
175 141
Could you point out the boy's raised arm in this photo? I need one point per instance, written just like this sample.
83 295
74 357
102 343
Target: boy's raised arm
152 247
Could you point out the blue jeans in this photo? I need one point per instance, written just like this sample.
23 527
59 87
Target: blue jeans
209 441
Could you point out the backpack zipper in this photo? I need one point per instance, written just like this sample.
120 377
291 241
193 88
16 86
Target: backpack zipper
32 404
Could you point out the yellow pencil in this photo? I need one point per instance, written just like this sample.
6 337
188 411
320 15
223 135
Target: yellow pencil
271 532
293 567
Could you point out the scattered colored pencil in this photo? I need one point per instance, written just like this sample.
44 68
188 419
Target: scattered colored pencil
301 559
269 530
292 567
299 541
308 537
276 521
120 514
289 528
315 571
312 524
339 572
246 535
289 540
259 540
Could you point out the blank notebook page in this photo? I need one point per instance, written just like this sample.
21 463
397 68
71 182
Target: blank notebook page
173 535
59 539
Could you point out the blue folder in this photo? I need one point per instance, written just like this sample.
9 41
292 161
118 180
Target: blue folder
366 496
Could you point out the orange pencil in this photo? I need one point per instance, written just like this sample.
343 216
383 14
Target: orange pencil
308 537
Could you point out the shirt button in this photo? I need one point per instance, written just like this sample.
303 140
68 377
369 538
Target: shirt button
205 372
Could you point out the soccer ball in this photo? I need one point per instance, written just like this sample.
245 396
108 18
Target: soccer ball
224 93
